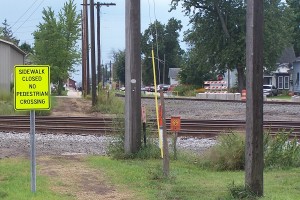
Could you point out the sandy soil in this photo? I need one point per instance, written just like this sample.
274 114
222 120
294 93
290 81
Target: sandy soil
71 176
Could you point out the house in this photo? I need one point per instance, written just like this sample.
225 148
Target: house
174 76
71 83
296 76
10 55
282 76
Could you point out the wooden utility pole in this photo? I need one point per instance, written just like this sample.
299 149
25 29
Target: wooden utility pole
132 76
98 5
93 60
84 50
110 74
83 61
254 105
87 48
164 69
98 45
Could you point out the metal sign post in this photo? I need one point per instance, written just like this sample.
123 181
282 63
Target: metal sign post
32 151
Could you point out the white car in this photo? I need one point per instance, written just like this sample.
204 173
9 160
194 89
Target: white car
270 90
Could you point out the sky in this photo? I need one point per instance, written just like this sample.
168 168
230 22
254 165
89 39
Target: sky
24 15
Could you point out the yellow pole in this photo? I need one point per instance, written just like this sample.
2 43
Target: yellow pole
156 102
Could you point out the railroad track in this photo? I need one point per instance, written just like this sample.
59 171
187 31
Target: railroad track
101 126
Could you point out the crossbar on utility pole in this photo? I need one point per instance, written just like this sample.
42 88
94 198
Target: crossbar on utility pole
132 76
254 105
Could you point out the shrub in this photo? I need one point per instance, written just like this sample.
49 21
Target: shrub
116 147
185 90
228 154
280 151
109 103
241 192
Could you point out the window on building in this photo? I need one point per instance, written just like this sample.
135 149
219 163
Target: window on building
286 82
280 82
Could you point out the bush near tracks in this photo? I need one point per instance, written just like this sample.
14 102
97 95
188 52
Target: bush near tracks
229 154
186 90
116 147
107 102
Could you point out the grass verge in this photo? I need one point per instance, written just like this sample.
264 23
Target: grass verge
15 183
189 182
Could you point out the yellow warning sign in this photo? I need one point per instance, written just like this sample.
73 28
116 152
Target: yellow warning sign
32 87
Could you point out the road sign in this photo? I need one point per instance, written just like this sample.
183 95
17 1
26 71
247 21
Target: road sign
175 124
32 87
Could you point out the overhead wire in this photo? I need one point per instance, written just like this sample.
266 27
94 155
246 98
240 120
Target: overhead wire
30 16
24 13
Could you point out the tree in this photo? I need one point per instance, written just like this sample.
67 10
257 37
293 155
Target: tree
6 33
218 34
55 42
163 39
26 48
294 10
119 66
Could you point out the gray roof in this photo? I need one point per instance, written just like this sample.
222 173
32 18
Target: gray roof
13 46
287 56
173 72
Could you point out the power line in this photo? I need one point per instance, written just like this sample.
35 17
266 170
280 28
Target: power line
30 15
24 13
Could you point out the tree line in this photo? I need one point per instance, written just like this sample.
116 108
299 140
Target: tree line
55 42
215 40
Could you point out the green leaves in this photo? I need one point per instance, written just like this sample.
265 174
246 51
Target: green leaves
6 33
55 42
218 32
164 40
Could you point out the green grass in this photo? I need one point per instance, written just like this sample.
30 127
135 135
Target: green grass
281 97
15 182
190 182
7 106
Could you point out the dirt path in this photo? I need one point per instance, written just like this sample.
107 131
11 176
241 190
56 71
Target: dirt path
68 106
75 107
70 175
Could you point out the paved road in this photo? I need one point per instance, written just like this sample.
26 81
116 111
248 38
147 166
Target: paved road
74 94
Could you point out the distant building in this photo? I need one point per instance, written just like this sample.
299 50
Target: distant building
71 83
174 76
282 76
10 55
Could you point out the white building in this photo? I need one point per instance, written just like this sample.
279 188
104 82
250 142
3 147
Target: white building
10 55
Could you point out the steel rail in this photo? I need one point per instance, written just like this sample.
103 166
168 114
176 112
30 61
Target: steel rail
100 126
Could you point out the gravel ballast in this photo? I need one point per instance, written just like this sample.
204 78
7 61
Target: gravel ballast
18 144
14 144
